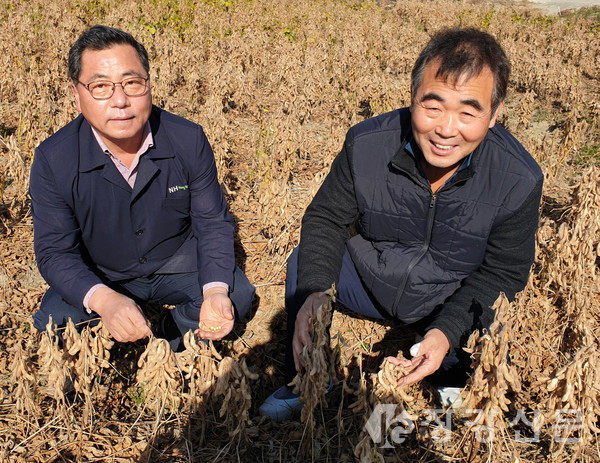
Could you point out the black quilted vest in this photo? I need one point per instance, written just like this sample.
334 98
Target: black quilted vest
413 248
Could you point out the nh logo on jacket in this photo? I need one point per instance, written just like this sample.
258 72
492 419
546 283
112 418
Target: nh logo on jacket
173 189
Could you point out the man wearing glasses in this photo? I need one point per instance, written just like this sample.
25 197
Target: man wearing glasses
127 207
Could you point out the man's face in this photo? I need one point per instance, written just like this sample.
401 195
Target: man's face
450 119
120 119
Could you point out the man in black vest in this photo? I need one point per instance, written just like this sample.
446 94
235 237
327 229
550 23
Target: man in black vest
444 203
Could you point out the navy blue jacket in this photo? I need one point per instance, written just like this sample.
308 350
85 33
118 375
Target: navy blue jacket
449 254
92 227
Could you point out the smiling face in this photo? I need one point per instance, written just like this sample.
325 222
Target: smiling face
119 120
451 118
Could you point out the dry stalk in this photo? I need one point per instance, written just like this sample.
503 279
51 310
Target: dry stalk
159 377
51 363
576 250
198 363
234 385
493 375
15 169
312 383
276 85
24 384
386 389
573 406
87 353
364 451
525 109
570 256
385 392
585 217
569 396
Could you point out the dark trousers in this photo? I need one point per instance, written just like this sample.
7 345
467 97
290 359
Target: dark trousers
351 293
179 289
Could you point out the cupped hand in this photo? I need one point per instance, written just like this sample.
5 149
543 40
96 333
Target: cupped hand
120 314
432 350
216 315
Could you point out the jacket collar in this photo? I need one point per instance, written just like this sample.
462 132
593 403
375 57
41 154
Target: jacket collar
92 157
406 162
162 142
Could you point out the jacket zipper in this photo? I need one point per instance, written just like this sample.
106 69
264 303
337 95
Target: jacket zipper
419 256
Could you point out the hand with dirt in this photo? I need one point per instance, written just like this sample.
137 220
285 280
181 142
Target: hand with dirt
216 315
432 350
121 315
306 314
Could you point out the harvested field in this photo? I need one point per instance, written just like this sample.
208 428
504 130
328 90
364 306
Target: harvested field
276 84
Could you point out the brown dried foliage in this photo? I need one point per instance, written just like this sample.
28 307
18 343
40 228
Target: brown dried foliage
24 386
159 376
494 377
313 381
52 364
234 386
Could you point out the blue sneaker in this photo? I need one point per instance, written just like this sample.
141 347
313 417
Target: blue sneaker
283 403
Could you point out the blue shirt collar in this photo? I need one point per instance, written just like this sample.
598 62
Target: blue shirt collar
466 162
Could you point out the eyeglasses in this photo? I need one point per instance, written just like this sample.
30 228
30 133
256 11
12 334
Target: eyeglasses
104 89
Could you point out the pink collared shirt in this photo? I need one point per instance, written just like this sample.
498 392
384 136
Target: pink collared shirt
130 174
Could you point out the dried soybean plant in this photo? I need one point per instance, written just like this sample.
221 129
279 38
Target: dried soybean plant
387 390
573 394
276 94
569 256
198 363
407 403
52 364
408 400
364 450
574 402
159 377
362 405
24 384
493 377
13 167
234 385
312 383
85 355
585 236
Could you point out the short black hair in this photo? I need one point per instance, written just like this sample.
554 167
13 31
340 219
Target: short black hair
100 38
464 52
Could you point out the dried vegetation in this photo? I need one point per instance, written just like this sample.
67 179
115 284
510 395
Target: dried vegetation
276 85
